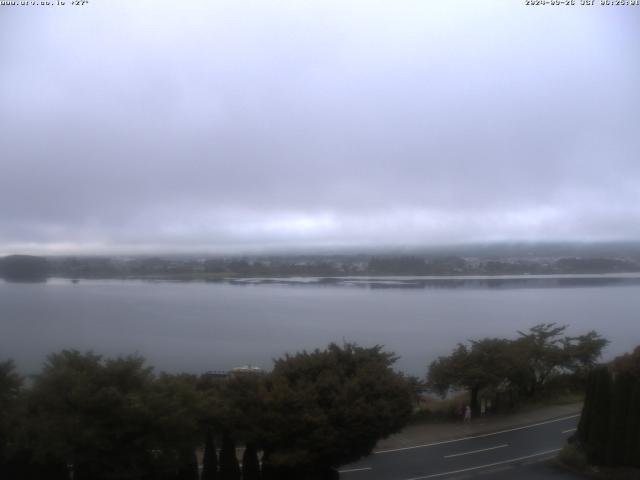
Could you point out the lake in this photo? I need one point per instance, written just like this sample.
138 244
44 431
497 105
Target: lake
198 326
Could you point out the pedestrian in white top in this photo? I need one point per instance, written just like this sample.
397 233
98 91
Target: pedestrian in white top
467 414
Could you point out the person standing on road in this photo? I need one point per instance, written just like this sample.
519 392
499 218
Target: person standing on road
467 414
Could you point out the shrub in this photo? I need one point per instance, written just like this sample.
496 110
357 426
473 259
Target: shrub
573 457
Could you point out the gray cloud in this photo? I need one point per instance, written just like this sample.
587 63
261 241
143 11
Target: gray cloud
230 125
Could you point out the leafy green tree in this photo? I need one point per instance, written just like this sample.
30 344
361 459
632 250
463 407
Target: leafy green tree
548 352
229 467
485 363
210 458
629 363
250 463
176 407
241 405
583 352
91 413
330 407
524 365
10 386
112 417
542 347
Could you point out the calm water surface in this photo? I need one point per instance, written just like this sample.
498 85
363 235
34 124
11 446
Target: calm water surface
215 326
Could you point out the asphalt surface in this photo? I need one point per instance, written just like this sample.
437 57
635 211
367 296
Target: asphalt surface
518 452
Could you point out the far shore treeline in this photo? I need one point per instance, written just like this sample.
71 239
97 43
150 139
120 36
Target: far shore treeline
565 261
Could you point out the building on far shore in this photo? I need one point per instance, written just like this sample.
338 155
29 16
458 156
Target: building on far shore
246 369
218 374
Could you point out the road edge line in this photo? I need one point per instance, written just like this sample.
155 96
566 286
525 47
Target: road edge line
504 445
481 435
489 465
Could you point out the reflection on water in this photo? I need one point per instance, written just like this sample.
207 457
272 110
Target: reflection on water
198 326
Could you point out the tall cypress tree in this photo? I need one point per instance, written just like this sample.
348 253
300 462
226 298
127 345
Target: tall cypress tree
598 429
229 468
587 409
632 436
188 465
210 458
24 466
619 418
51 470
267 472
250 463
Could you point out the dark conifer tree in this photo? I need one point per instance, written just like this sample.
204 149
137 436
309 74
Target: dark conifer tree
210 459
188 467
52 470
267 471
250 463
229 468
619 418
587 409
632 436
22 466
598 430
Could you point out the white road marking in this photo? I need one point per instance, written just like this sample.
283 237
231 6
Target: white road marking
569 430
476 451
484 435
354 470
488 465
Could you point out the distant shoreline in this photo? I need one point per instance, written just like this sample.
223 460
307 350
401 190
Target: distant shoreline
323 269
389 281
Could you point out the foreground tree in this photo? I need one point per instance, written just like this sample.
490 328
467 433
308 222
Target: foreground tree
330 407
609 427
632 436
524 365
619 417
628 363
210 458
229 467
112 417
175 407
91 413
547 351
187 466
485 363
595 433
250 463
10 385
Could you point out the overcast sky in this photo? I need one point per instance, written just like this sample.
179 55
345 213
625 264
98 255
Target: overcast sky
229 126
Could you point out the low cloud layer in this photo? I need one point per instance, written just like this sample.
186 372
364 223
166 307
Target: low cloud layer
230 126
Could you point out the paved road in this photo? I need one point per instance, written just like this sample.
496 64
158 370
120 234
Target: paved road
498 452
